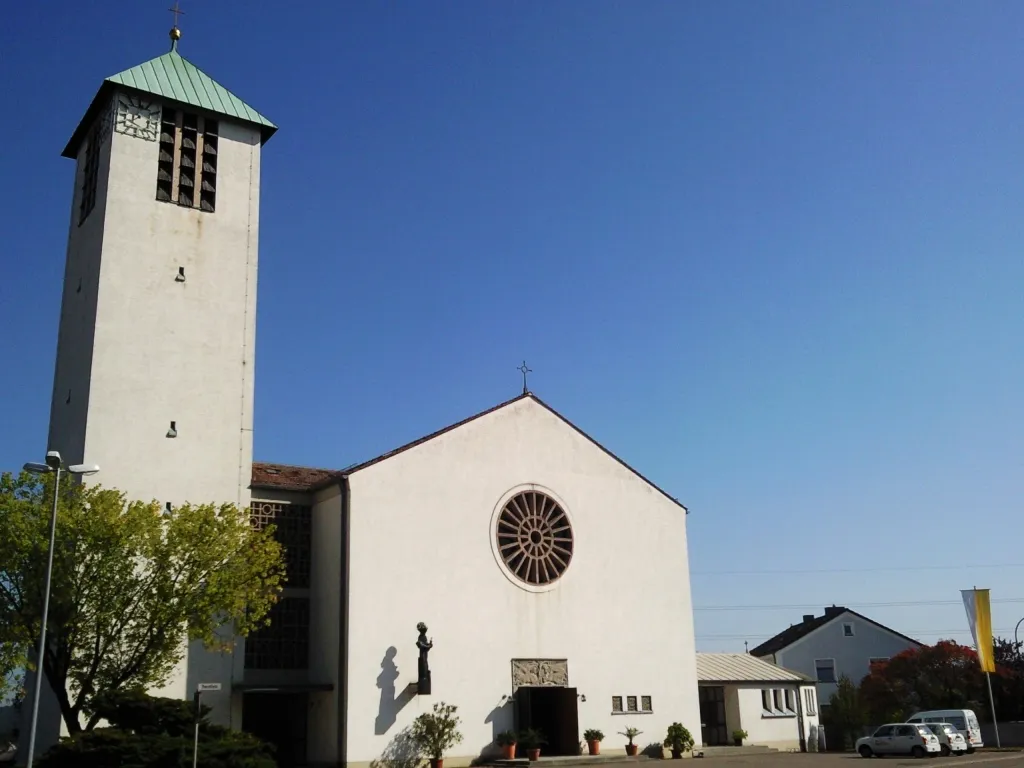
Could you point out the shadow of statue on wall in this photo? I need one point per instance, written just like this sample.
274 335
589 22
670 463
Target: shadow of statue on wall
401 752
501 718
391 701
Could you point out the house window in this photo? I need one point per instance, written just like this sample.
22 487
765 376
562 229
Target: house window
631 704
789 700
645 704
876 660
616 703
187 167
284 644
847 630
90 172
777 700
293 524
810 701
766 701
825 669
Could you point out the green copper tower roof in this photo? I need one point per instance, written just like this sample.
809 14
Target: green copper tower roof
174 78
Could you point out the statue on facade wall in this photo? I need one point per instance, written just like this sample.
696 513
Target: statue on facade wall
423 683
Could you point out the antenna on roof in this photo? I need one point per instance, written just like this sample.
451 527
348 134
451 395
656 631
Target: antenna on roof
524 370
175 33
745 649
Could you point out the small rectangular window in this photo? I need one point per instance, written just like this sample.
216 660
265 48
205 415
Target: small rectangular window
645 704
616 703
876 660
777 700
847 630
825 669
766 700
631 704
789 701
187 164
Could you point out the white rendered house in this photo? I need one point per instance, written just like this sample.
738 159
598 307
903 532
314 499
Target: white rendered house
778 708
840 642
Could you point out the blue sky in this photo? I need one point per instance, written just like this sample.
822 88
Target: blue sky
769 253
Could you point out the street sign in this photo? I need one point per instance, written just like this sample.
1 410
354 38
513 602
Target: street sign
204 687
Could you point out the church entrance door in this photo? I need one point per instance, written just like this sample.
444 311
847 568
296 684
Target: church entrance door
553 711
280 719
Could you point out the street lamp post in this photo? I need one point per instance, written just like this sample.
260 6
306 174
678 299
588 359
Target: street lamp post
1015 640
55 465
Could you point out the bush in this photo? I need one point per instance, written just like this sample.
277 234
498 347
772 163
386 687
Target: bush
149 732
593 734
678 738
438 731
505 739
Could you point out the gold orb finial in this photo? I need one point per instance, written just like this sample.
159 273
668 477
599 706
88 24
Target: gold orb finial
175 33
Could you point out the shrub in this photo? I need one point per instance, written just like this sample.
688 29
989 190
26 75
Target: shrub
438 731
678 738
593 734
505 739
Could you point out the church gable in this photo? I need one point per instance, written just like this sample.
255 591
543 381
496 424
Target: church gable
503 410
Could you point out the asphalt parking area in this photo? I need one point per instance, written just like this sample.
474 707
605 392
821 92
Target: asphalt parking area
850 760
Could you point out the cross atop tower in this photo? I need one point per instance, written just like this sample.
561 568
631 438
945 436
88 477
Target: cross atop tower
175 32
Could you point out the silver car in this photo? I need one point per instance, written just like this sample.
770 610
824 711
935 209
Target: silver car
900 739
951 741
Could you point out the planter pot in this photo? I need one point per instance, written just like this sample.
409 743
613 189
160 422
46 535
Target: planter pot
508 751
677 754
738 742
533 754
631 749
438 763
594 747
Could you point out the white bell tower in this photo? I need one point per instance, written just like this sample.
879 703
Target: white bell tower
154 373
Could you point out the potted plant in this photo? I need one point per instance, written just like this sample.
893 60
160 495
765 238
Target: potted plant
530 740
629 733
436 732
738 736
507 741
678 740
593 737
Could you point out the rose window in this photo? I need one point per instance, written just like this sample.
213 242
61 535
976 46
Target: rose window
534 538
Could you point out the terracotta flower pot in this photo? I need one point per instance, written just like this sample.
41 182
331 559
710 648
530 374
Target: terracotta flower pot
508 751
437 762
631 749
533 754
594 747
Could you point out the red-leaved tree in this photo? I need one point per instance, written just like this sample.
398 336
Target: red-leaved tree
941 676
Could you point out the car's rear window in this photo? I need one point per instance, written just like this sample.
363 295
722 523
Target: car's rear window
923 730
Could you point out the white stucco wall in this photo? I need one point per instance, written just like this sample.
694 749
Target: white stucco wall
851 654
744 710
421 551
138 350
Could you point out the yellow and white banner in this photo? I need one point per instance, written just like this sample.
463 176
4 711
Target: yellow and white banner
979 616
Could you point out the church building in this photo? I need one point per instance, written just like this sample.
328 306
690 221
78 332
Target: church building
551 577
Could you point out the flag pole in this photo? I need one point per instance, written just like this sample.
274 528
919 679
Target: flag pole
992 704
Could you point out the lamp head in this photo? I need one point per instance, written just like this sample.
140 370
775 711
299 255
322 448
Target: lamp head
53 459
83 469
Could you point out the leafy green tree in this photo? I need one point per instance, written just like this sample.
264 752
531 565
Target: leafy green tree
130 585
845 719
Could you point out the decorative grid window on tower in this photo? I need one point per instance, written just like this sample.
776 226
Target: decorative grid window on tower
284 644
187 168
293 530
90 172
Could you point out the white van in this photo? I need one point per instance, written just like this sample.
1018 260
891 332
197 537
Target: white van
964 720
